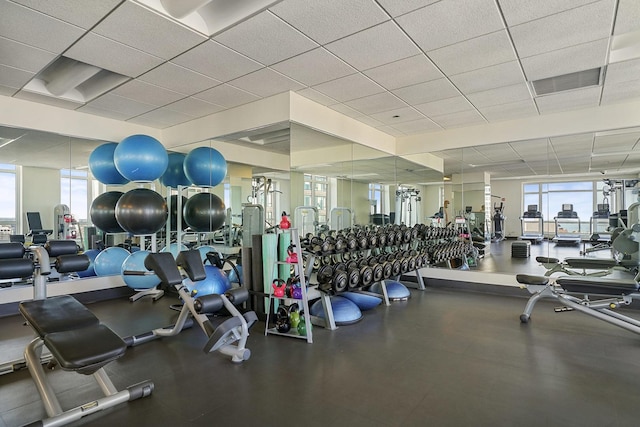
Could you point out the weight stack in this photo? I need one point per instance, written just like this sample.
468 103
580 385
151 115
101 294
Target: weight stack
521 249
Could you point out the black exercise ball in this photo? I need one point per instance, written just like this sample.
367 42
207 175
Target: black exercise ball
141 211
204 212
174 213
103 212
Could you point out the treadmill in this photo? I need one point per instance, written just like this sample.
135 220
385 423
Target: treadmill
532 225
567 226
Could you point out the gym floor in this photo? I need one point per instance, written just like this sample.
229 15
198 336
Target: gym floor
446 357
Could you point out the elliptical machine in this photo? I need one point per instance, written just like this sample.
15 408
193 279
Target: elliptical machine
498 223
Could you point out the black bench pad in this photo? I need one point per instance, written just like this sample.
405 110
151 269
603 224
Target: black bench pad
85 350
528 279
546 260
56 314
591 263
598 285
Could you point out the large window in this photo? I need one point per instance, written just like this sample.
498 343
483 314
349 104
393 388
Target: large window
73 192
316 193
8 197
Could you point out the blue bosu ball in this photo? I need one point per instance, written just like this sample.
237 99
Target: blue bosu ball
363 301
135 262
141 158
205 166
216 282
109 262
345 312
395 290
102 166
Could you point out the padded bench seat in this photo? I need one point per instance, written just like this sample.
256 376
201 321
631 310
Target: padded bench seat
591 263
56 314
598 285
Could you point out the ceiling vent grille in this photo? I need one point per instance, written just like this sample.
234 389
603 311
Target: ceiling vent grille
578 80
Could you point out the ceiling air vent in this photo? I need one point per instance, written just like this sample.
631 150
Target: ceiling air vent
569 81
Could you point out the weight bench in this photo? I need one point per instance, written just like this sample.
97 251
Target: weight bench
592 267
594 296
221 338
78 342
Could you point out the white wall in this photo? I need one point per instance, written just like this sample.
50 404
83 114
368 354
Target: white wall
41 193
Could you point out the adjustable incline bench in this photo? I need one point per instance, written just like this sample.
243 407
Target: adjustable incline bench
78 342
594 296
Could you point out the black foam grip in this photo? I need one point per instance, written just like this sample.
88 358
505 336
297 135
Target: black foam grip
72 263
237 295
16 268
61 247
191 262
211 303
163 264
11 250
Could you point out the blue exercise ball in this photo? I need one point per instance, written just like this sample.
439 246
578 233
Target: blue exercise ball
363 301
109 261
236 277
102 166
90 271
204 212
103 212
174 248
135 262
204 250
141 158
205 166
174 176
345 312
395 290
141 211
216 282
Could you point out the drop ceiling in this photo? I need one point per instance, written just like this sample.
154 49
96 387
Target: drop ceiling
403 67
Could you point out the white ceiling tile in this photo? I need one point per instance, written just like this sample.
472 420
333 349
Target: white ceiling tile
390 130
12 26
399 115
621 142
128 107
7 91
508 111
316 96
147 93
349 87
13 77
462 118
417 126
427 92
140 28
194 107
178 79
622 72
500 95
217 61
400 7
330 20
85 16
369 121
572 27
569 100
451 21
376 103
314 67
479 52
43 99
346 110
620 92
518 11
226 95
568 60
266 39
112 114
506 74
164 116
149 121
22 56
628 16
444 106
111 55
265 82
405 72
375 46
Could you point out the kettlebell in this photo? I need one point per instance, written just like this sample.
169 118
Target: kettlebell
296 292
302 327
284 222
283 324
294 319
279 287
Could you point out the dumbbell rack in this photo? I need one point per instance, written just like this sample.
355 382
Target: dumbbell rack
307 294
